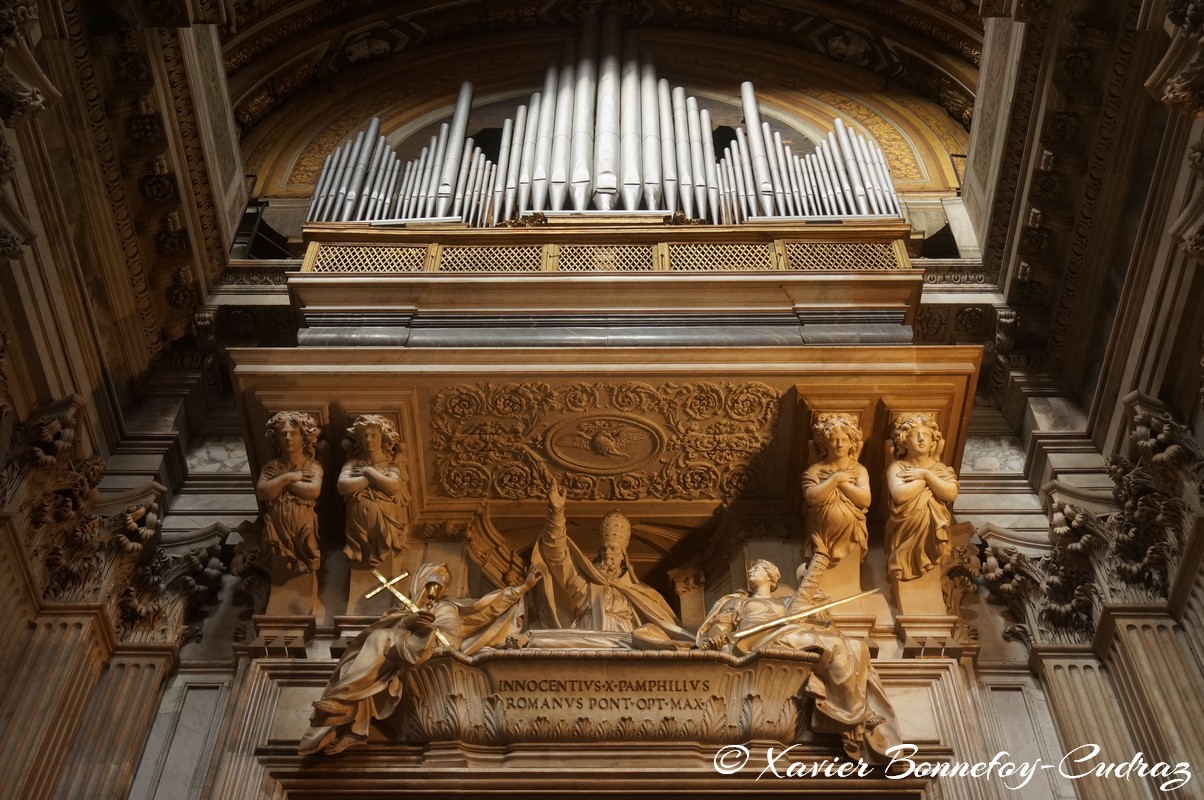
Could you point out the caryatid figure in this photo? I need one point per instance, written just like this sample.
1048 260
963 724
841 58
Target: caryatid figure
837 491
921 489
371 483
289 486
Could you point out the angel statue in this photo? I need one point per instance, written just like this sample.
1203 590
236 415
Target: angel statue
371 483
921 489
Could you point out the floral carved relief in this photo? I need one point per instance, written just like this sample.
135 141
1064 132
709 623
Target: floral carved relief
628 441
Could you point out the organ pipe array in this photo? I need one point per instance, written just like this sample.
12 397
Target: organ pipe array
605 135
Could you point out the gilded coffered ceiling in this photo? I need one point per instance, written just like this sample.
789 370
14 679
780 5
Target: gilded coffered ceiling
274 49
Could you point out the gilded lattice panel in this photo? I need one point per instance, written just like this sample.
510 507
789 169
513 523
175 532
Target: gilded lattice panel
626 441
370 258
606 258
720 257
490 259
841 256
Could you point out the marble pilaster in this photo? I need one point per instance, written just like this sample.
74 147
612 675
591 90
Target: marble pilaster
46 695
113 730
1086 711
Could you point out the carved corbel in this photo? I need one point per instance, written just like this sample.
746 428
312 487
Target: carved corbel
958 576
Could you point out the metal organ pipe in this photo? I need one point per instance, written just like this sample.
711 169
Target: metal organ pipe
526 164
450 170
462 177
357 204
710 164
664 106
607 139
562 136
498 185
697 168
756 148
323 183
585 100
750 184
650 131
631 142
541 170
606 133
335 211
775 177
681 139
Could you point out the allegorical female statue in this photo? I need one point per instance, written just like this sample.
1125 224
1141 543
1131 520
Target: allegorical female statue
368 682
921 489
837 490
847 691
372 484
289 486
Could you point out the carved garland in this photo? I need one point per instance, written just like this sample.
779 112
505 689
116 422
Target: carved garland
1129 557
79 556
625 442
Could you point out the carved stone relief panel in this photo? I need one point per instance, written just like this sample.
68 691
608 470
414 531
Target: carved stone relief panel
626 441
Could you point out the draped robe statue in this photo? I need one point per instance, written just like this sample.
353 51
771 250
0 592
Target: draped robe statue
837 491
848 694
921 489
369 680
289 486
372 484
602 594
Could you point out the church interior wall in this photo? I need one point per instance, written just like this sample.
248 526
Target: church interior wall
144 659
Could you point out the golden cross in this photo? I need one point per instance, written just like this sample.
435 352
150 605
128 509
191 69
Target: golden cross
405 601
385 584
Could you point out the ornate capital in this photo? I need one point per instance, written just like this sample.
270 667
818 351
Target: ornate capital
154 606
1051 606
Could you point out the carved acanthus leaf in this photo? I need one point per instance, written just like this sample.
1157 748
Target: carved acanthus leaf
155 605
616 442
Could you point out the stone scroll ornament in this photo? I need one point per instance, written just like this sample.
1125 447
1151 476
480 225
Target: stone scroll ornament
373 485
921 490
626 441
837 490
288 487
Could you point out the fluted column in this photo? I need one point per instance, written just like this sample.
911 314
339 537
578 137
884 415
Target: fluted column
113 730
1086 712
1157 679
45 695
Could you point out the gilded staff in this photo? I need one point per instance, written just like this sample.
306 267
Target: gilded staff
807 612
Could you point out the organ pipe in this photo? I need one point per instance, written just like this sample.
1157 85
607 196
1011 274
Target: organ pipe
605 133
